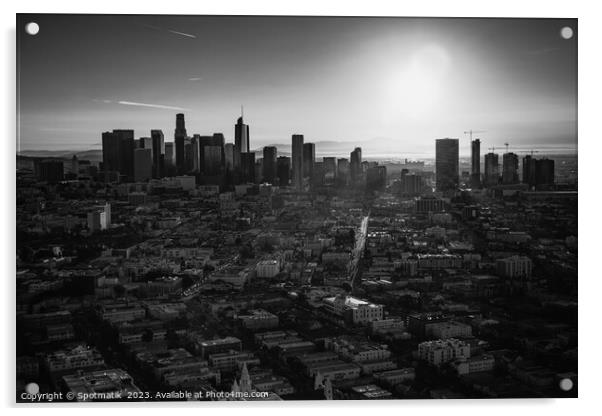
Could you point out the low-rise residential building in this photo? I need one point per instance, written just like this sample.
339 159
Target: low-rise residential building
439 352
395 377
259 319
354 310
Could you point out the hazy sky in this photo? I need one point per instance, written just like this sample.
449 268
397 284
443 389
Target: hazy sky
396 84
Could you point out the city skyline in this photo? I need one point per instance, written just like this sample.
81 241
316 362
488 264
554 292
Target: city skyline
524 91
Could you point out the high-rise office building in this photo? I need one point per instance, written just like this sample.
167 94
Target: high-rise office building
219 140
247 167
127 153
283 169
195 162
75 166
158 146
376 178
475 163
309 158
342 171
229 157
411 184
143 164
297 159
180 143
118 152
355 165
145 143
258 171
537 172
509 169
492 169
330 170
446 164
111 147
529 170
544 172
212 163
241 140
170 154
215 141
269 164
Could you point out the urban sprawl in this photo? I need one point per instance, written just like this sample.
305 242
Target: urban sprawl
198 265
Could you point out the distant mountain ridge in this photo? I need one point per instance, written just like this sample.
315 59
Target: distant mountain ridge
94 155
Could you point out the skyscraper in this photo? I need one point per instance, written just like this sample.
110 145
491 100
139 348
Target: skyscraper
544 172
342 171
158 145
330 170
126 153
475 163
269 164
283 169
229 157
376 178
309 157
170 155
509 168
538 172
411 184
529 170
247 167
118 152
111 147
241 140
297 160
215 145
180 139
195 158
212 160
446 164
355 165
145 143
143 165
492 169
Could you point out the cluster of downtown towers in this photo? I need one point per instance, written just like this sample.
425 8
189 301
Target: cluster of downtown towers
221 163
214 161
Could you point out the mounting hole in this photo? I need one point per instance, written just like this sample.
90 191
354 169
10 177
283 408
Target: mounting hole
32 28
566 32
566 384
32 388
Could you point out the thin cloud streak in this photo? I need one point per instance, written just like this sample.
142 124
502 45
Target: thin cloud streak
175 32
159 106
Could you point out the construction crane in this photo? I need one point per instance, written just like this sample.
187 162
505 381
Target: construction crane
492 149
470 132
506 144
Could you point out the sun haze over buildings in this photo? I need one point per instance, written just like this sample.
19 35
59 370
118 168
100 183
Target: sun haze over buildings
388 84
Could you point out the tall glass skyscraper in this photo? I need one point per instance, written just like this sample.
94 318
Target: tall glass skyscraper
492 169
241 140
269 164
475 163
446 164
180 139
298 161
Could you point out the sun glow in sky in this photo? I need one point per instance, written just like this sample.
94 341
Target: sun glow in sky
389 84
